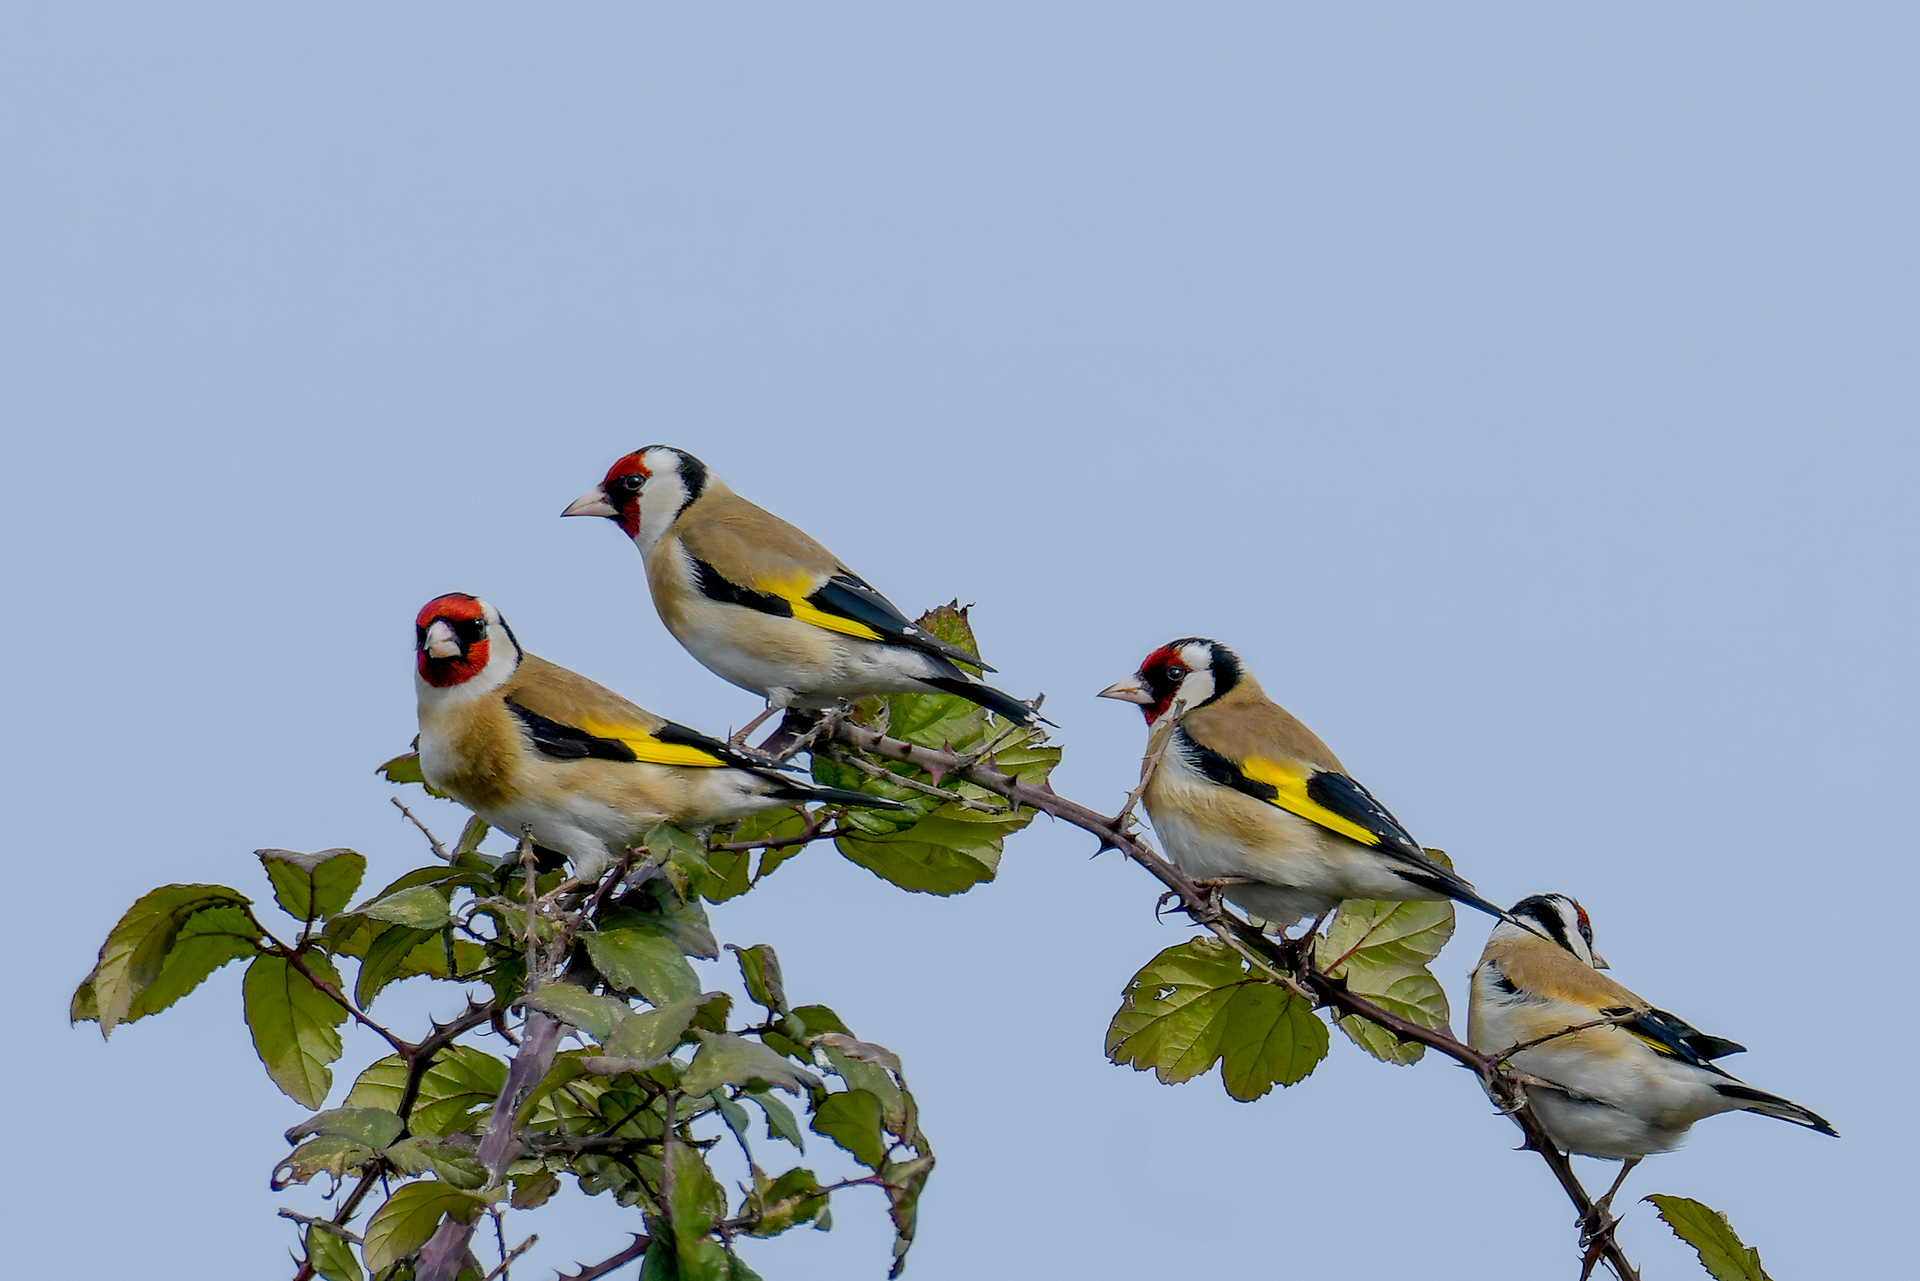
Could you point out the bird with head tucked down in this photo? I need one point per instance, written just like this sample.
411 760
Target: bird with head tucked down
765 607
1615 1078
1246 797
527 744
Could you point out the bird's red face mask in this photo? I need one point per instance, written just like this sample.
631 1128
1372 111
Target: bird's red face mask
450 640
1154 685
618 497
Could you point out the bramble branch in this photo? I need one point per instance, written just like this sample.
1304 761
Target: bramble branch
1287 963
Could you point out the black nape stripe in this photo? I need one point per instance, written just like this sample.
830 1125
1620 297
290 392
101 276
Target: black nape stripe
693 473
1540 909
566 743
716 586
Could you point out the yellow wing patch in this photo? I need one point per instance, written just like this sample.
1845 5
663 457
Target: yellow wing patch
647 748
795 588
1293 798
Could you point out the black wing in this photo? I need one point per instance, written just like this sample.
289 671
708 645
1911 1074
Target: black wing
851 596
1357 805
566 743
1678 1039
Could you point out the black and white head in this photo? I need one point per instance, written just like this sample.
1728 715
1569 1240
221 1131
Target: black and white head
645 491
1562 919
1194 672
462 649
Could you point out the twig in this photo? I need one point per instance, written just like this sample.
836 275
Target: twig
342 1216
325 1225
533 906
1610 1020
327 989
1504 1087
913 784
432 840
1157 745
817 830
588 1272
507 1257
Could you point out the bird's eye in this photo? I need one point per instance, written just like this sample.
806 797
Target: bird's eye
630 483
1175 672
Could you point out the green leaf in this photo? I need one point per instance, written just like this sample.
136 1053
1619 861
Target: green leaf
371 1127
593 1014
331 1256
138 960
461 1081
406 769
941 854
420 1154
309 886
470 837
643 959
1382 951
421 907
726 1059
295 1025
409 1217
792 1199
730 867
761 970
873 1068
851 1118
1197 1004
331 1154
737 1270
781 1123
1722 1253
531 1191
642 1040
905 1181
386 959
697 1199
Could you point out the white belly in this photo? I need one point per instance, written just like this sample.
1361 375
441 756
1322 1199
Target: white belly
789 662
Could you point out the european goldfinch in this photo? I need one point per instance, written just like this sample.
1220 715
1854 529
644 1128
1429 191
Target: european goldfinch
1246 798
1626 1087
524 743
763 606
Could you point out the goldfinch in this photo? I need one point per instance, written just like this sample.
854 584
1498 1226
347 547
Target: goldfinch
524 743
1622 1090
763 606
1245 797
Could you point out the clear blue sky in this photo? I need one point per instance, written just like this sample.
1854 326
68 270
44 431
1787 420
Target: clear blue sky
1527 392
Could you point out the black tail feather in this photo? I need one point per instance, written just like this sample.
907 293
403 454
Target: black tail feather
1773 1105
793 790
988 697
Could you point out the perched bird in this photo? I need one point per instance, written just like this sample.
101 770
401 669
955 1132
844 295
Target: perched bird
1633 1078
763 606
1247 800
522 742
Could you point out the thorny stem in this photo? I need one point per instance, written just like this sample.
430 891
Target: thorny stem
432 840
588 1272
1289 966
292 956
816 830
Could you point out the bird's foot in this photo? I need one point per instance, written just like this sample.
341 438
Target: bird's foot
1215 889
1598 1223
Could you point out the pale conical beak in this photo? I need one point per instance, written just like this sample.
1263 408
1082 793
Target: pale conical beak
1600 962
592 503
1131 690
441 642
